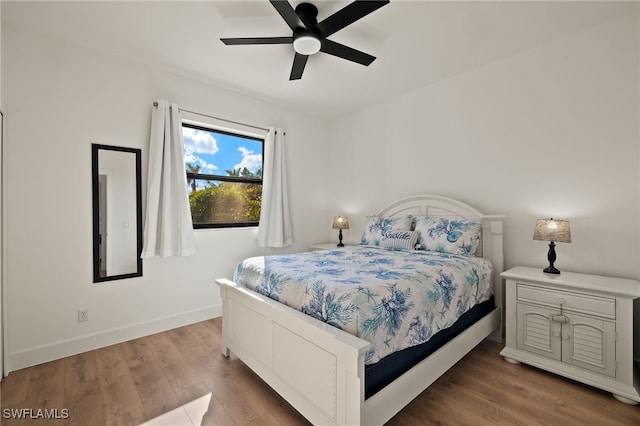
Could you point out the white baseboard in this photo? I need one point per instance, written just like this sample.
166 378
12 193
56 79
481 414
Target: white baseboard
19 360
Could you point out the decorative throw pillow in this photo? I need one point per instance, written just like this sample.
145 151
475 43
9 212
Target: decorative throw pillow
455 236
399 240
376 227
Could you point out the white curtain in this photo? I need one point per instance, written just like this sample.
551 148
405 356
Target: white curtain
275 222
168 230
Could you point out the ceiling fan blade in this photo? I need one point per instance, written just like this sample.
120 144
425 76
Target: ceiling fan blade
285 10
299 61
348 15
257 40
346 52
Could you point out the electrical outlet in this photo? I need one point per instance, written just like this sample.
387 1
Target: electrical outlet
83 315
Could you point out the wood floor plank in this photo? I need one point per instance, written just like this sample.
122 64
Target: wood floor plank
176 417
81 368
180 377
179 373
15 387
162 346
155 392
202 330
205 360
85 404
121 401
46 386
183 338
205 331
265 396
202 406
516 395
131 418
137 351
239 401
111 364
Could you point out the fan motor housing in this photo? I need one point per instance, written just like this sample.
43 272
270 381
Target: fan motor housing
308 13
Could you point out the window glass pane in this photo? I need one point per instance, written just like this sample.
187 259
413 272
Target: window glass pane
224 177
224 202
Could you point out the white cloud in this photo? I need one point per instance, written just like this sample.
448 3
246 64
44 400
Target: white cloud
253 162
199 141
205 167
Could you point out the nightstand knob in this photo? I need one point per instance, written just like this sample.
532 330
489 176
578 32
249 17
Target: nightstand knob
565 336
556 334
562 319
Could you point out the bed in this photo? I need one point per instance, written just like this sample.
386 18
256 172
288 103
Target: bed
325 371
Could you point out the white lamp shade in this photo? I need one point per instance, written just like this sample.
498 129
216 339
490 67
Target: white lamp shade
552 230
340 222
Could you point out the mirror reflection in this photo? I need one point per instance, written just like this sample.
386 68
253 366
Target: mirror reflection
117 212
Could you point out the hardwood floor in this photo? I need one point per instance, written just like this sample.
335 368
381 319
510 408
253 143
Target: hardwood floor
179 377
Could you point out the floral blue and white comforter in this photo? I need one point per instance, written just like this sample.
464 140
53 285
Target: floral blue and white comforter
393 299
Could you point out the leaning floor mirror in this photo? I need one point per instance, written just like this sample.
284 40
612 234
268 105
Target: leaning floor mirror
117 212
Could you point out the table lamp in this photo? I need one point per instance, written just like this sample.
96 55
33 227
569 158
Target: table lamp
552 230
340 222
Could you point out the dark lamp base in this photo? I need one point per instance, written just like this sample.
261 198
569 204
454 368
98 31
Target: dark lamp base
551 270
551 257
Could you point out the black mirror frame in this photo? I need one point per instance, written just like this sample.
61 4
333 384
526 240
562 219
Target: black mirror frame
95 149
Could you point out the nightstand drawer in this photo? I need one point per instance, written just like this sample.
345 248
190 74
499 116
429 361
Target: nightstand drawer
571 302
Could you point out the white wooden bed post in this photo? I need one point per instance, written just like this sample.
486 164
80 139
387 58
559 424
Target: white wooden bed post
492 242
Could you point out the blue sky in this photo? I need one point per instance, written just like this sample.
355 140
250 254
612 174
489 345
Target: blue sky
217 152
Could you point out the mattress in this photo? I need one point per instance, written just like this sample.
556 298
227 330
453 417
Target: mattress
394 299
385 371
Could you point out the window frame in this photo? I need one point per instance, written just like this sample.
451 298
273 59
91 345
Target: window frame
224 178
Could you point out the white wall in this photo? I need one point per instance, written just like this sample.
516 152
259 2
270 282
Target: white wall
550 132
60 99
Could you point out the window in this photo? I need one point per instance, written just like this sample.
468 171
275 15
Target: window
224 177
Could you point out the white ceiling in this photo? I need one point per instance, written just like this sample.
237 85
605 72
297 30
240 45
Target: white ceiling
416 43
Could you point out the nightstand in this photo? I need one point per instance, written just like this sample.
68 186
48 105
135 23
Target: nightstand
326 246
576 325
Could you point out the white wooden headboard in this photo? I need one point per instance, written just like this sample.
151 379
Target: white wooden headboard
491 246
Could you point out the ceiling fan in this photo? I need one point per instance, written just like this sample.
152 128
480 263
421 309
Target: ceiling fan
310 36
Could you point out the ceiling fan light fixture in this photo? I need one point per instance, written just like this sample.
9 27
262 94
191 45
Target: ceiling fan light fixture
306 44
310 36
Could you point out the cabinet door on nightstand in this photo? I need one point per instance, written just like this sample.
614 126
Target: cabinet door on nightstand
536 332
589 343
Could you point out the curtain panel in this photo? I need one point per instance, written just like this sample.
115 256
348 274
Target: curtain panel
168 230
275 221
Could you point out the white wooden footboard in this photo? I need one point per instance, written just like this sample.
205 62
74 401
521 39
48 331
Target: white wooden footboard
317 368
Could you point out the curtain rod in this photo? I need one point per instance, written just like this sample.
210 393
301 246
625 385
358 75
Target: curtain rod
155 104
